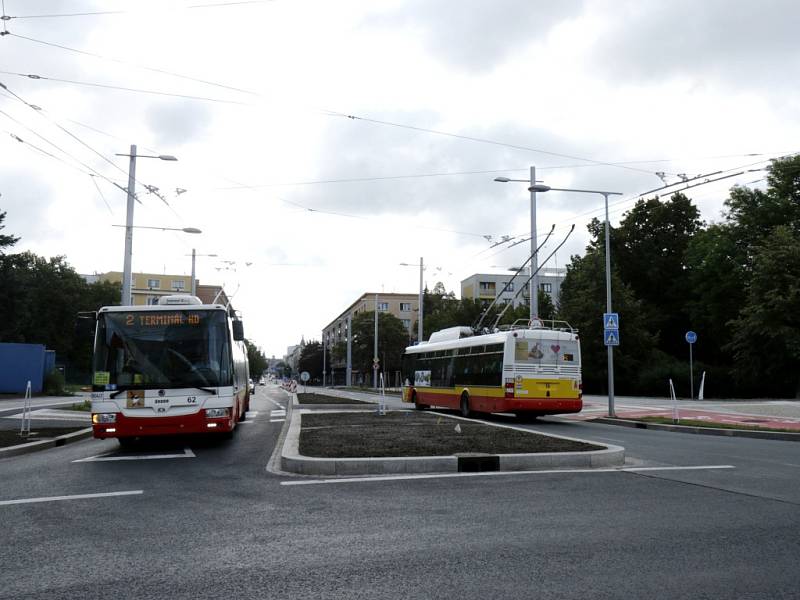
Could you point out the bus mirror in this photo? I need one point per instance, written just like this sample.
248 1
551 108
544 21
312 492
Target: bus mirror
85 324
238 331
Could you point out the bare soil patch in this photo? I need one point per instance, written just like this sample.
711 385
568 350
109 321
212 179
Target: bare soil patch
406 433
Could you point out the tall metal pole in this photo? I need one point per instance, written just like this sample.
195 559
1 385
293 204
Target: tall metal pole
374 362
324 343
126 271
691 374
608 309
348 378
534 284
421 302
194 281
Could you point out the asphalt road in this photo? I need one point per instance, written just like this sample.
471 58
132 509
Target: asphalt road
212 522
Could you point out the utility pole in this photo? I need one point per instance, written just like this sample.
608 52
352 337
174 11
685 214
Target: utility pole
126 270
323 358
348 378
375 354
421 302
533 286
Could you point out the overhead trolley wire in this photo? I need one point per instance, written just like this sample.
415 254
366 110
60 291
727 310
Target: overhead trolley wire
123 12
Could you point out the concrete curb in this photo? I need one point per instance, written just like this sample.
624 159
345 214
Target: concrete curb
61 440
293 461
747 433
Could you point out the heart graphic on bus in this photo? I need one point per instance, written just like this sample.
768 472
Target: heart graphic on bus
555 348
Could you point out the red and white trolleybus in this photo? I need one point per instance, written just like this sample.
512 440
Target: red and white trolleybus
531 368
176 367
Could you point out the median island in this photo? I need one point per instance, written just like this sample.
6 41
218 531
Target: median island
411 433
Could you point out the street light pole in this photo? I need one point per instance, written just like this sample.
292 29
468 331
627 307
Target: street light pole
194 280
421 302
609 348
611 411
375 361
126 270
533 288
348 378
533 285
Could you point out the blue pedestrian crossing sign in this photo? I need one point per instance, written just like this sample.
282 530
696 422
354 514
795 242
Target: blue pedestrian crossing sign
611 337
610 320
691 337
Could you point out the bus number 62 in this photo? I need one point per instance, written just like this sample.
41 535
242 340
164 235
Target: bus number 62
192 400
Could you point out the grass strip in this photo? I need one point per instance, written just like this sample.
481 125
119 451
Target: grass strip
405 433
712 424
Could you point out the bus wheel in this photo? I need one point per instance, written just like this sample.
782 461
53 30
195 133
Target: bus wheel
465 412
417 405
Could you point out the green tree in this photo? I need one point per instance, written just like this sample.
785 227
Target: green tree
766 335
311 360
649 250
6 241
392 341
582 304
258 362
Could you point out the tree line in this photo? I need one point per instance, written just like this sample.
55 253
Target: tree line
40 299
735 282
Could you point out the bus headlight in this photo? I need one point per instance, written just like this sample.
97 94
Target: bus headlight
216 413
98 418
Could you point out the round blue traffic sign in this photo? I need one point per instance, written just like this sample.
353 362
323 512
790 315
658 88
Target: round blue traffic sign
691 337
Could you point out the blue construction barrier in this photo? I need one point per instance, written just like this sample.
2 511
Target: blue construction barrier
20 363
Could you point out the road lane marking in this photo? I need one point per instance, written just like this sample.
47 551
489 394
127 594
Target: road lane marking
275 403
277 420
496 473
73 497
109 456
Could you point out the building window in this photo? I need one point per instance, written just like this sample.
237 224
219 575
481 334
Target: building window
510 287
406 323
546 287
383 306
152 300
178 284
405 307
486 286
153 283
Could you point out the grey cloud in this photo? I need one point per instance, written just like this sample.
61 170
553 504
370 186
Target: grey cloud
25 198
476 34
743 43
178 122
471 203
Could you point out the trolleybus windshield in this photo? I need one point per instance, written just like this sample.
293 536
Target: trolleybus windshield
162 349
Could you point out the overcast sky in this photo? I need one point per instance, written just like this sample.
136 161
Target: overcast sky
307 208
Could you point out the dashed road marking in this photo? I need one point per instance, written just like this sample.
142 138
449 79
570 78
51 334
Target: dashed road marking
496 473
277 420
110 456
73 497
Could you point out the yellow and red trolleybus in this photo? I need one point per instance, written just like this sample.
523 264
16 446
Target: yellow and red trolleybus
532 368
176 367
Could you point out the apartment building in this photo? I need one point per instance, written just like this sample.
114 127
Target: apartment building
487 286
147 288
403 306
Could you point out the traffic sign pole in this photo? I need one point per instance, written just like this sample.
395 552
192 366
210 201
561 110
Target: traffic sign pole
691 338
